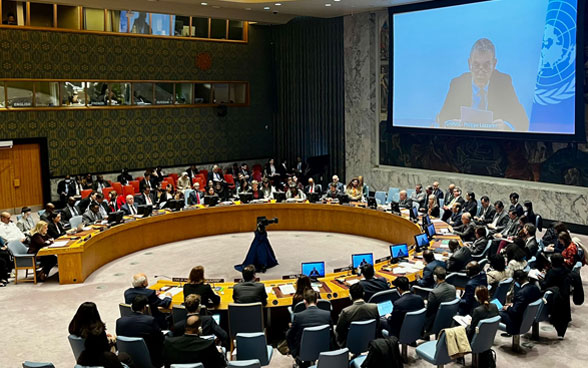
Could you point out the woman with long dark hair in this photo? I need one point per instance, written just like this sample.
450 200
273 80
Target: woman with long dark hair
483 311
302 284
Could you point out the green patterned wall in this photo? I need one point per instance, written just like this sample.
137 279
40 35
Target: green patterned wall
106 140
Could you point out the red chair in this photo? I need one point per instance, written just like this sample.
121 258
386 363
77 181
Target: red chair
128 189
106 192
201 175
202 182
230 181
175 176
205 173
120 200
135 185
118 188
257 176
170 179
139 178
257 167
86 193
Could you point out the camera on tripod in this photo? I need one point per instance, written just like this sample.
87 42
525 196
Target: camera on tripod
263 221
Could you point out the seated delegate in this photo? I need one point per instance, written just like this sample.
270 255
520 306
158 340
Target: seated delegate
249 291
196 285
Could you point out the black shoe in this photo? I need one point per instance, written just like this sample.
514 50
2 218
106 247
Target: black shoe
505 334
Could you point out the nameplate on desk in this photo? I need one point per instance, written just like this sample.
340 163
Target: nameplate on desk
215 281
241 280
179 279
385 259
343 269
87 237
290 277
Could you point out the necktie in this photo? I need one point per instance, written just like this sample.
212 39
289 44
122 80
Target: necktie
132 209
482 102
197 198
148 199
312 189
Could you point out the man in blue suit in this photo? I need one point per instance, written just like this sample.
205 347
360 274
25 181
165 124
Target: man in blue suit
408 302
371 284
312 316
477 278
140 284
427 281
139 324
525 294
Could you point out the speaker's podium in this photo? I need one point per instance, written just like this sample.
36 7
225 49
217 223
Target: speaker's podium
260 253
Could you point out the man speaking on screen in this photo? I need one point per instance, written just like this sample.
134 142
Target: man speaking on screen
483 98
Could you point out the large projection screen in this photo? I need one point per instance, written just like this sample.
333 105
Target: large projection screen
495 67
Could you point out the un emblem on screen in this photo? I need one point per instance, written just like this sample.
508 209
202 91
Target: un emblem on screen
556 80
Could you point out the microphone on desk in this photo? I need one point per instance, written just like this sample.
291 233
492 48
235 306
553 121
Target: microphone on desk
160 276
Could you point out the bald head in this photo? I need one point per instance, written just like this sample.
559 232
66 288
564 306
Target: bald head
130 199
5 217
140 280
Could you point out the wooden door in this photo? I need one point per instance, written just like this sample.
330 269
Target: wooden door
20 177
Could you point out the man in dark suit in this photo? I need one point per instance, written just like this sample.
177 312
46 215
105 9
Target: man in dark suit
358 311
441 293
310 317
459 257
371 284
466 230
477 278
449 195
514 203
140 284
139 324
508 232
525 294
197 196
455 218
500 218
147 197
485 88
427 280
146 182
192 171
404 201
312 187
66 189
450 202
92 214
531 246
208 324
437 191
408 302
481 241
100 184
49 210
129 208
124 177
249 291
191 348
70 210
102 205
487 214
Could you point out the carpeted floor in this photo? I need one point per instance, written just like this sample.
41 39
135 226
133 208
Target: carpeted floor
35 317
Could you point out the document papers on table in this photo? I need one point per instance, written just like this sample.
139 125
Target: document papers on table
287 289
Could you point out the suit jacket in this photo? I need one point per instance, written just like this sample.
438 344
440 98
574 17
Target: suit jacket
455 219
531 247
372 286
438 193
406 203
502 220
209 327
250 292
468 301
141 199
522 298
154 302
207 296
90 217
441 293
358 311
428 281
511 228
317 189
459 259
125 208
310 317
466 232
479 246
193 198
141 325
502 100
70 211
406 303
480 313
55 230
123 179
192 349
99 185
471 206
143 184
487 215
519 208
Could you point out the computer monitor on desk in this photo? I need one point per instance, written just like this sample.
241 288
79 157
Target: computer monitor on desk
426 220
115 217
395 207
314 270
398 251
313 197
280 196
145 209
246 197
421 241
359 260
430 230
414 213
211 200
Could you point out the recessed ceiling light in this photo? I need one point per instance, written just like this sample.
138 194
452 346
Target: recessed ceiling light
266 8
327 4
204 4
336 1
278 4
216 6
247 8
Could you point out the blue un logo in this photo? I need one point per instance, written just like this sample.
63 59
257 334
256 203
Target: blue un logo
556 80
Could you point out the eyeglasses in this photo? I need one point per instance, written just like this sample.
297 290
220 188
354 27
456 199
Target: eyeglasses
487 66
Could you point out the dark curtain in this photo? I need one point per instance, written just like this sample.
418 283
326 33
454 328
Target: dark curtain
310 95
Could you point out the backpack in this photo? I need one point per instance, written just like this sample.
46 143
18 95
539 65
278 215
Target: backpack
487 359
582 251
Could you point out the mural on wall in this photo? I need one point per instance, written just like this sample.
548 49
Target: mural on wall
552 162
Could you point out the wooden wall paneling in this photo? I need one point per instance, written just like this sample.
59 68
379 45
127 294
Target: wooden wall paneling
27 182
6 188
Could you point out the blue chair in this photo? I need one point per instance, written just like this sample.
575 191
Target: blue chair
411 330
577 267
483 262
528 319
457 279
314 341
187 196
137 350
18 217
542 315
484 337
382 296
531 263
28 364
254 346
299 307
41 212
366 191
245 318
393 195
444 316
360 334
423 292
484 252
324 304
357 362
179 313
191 365
502 289
441 202
380 198
479 211
434 352
77 345
333 359
22 260
253 363
75 221
409 192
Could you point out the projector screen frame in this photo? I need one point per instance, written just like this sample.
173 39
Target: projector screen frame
579 135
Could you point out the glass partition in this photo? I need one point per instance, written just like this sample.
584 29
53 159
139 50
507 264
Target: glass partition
200 27
46 94
218 28
182 26
69 17
93 19
236 29
41 15
137 22
160 24
238 93
20 94
98 93
183 93
202 93
142 93
120 94
13 13
220 93
2 95
73 94
164 93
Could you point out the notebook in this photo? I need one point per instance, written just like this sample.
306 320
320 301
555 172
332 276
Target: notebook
385 307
